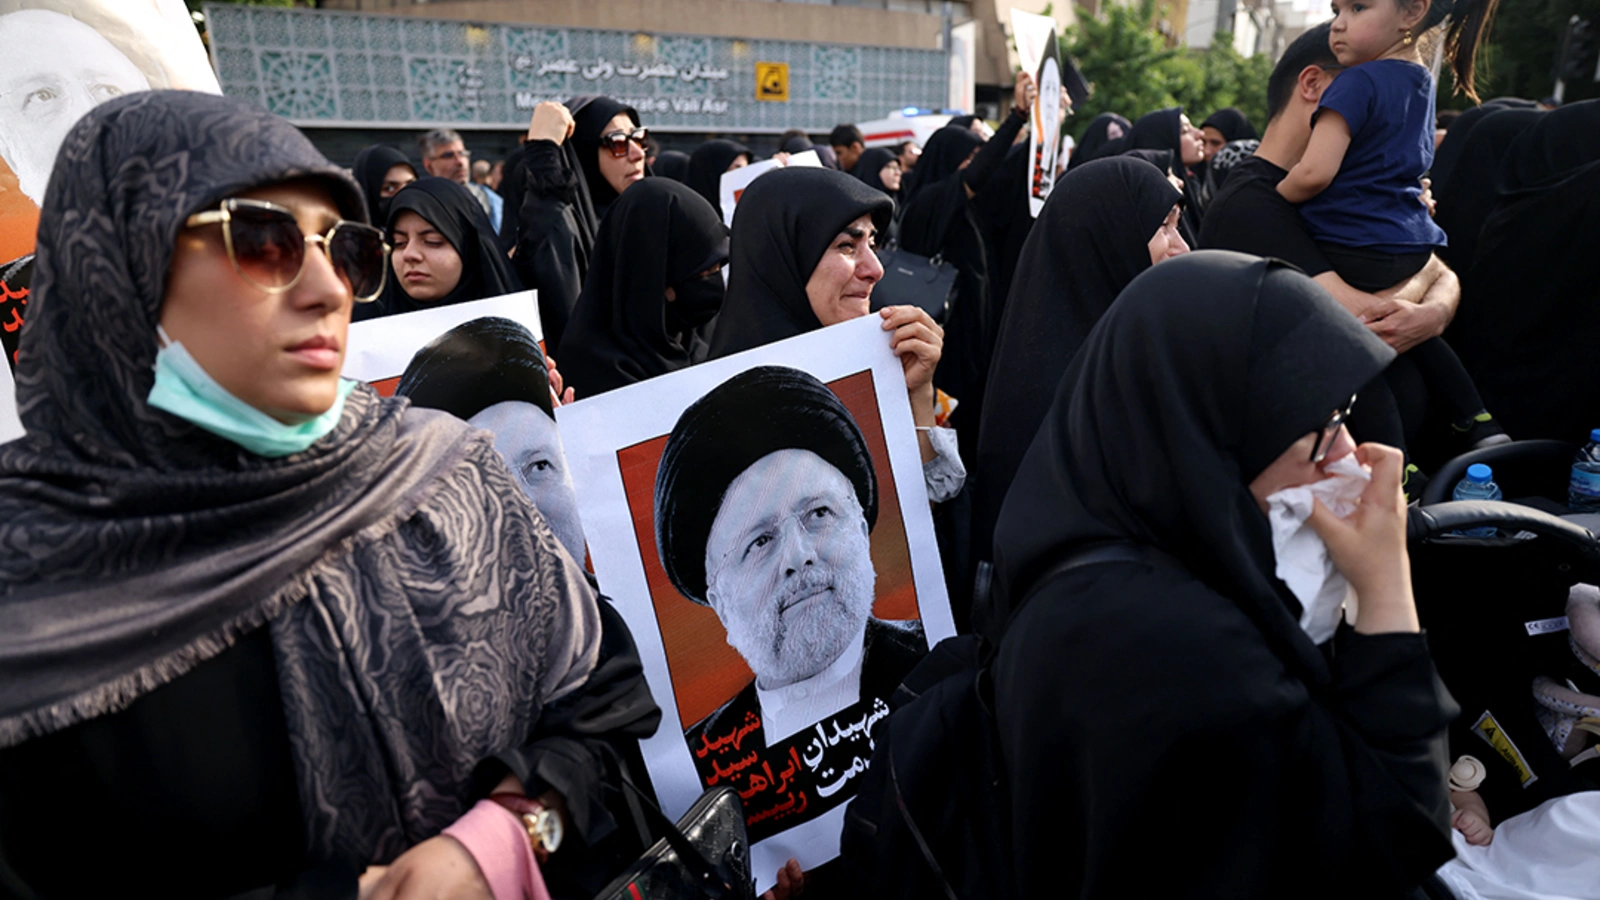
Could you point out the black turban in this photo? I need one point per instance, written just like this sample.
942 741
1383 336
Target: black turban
475 365
755 413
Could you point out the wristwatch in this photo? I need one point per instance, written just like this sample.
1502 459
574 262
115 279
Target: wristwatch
544 824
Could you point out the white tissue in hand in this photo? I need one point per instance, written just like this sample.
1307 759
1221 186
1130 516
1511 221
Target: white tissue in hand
1302 558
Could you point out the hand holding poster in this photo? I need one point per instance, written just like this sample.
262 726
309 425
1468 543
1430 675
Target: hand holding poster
697 490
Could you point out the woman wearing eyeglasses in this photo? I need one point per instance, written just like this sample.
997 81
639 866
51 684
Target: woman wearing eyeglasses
261 629
1160 690
579 157
445 251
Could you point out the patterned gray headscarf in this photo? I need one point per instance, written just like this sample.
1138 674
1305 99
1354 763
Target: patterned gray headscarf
420 610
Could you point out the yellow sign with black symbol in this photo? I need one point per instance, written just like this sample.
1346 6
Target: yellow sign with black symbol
772 82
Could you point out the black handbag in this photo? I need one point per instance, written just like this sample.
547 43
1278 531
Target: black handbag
912 280
706 854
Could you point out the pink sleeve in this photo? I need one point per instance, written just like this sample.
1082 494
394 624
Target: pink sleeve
499 844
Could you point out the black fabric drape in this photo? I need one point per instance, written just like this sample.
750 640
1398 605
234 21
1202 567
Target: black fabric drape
673 164
1207 368
485 271
1006 215
1163 130
1529 316
946 150
1092 240
1233 125
785 222
1455 138
371 164
707 164
1099 133
1466 199
659 234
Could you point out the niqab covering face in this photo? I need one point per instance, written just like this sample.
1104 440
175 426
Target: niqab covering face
707 164
660 234
485 270
1206 370
155 545
785 221
949 147
1092 239
371 164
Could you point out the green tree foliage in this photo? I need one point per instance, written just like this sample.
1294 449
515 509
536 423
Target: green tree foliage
1133 71
1521 51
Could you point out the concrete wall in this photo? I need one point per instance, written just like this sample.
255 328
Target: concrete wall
716 18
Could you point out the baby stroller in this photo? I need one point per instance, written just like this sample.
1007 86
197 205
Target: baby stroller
1495 609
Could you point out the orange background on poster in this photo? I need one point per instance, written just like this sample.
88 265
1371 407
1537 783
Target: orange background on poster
706 672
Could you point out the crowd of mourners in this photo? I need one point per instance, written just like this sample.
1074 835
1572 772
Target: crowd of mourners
246 643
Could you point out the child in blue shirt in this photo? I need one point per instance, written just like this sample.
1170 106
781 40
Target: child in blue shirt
1359 182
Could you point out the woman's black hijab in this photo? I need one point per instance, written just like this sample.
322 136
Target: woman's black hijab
673 164
1091 241
591 115
485 270
869 169
161 544
1530 306
659 234
1092 144
707 164
1205 370
785 221
372 163
1163 130
1466 199
1233 125
1455 137
941 158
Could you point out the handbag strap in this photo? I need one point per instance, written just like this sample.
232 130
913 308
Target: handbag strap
688 853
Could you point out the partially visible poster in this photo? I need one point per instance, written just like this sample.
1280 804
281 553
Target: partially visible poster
1039 52
63 57
762 523
733 183
380 349
963 65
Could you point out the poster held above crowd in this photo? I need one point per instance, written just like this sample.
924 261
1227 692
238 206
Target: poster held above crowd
761 522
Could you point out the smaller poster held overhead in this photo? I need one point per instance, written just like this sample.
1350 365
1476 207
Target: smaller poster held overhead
1039 52
735 181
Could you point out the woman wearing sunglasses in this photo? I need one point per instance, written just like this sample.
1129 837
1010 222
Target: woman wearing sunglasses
241 605
579 157
1157 672
445 251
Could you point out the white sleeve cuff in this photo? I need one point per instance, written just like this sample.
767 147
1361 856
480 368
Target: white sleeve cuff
945 473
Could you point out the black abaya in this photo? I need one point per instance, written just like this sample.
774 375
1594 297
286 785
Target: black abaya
1092 240
708 163
1466 199
485 271
785 221
1530 308
1132 694
1092 145
1163 130
673 164
659 234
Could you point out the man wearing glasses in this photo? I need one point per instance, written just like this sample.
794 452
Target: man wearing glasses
445 154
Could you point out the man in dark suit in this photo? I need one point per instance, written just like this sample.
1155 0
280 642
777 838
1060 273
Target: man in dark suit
765 500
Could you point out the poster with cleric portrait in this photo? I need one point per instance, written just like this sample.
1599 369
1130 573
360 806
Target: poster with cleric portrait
762 523
59 58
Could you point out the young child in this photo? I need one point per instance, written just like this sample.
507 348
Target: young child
1371 143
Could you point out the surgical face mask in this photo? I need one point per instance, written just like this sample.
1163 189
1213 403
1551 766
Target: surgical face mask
697 302
187 391
1302 558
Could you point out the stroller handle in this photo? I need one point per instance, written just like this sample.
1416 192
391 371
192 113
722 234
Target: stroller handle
1425 522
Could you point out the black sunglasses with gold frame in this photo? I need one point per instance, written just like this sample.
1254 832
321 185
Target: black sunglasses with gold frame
268 249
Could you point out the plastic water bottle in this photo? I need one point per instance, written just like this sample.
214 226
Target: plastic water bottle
1583 492
1478 485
